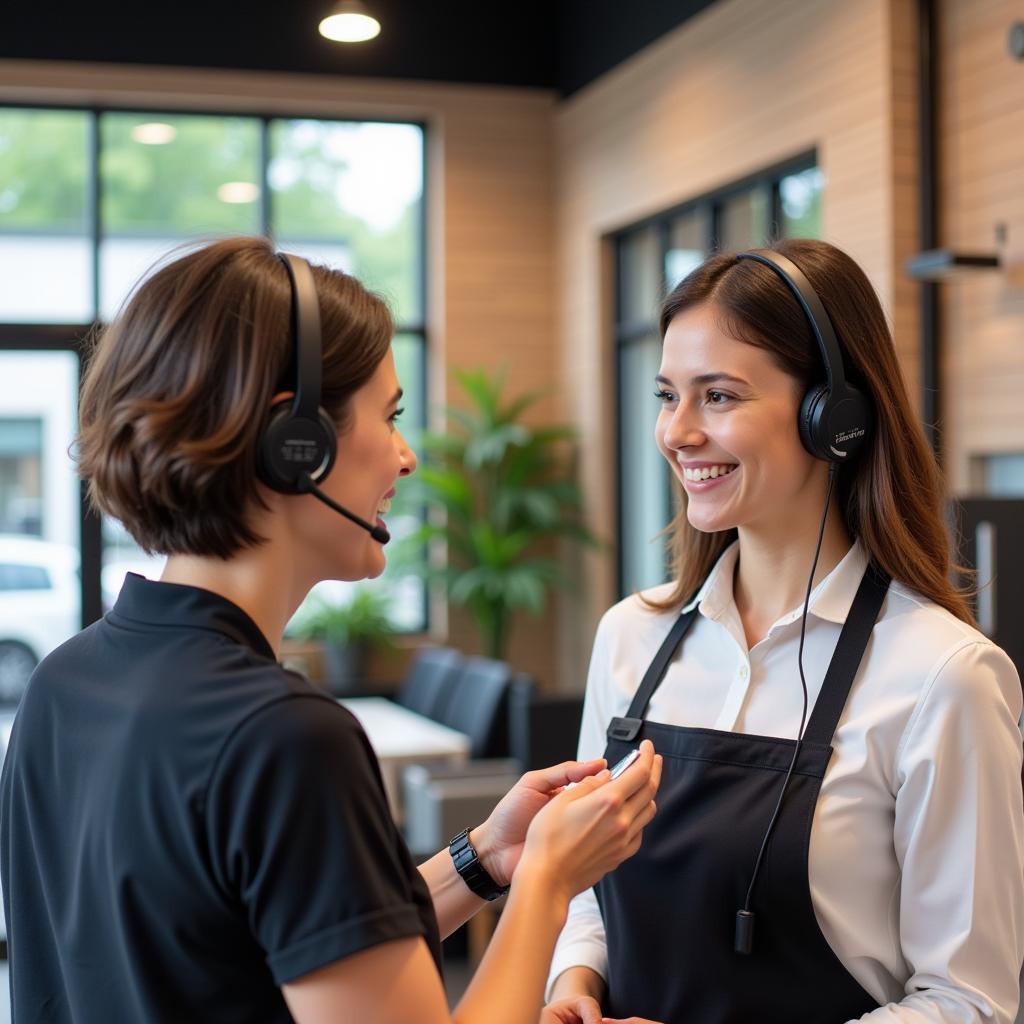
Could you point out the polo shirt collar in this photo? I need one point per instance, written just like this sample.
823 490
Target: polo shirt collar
175 604
831 599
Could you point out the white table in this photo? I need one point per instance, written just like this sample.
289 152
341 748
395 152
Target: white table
400 737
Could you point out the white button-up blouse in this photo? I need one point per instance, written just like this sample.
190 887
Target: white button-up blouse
916 859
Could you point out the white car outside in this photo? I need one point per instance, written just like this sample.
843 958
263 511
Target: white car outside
40 606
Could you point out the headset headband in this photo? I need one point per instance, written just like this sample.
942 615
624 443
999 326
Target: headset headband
796 281
306 332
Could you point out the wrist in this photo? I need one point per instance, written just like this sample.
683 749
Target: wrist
470 868
487 853
536 876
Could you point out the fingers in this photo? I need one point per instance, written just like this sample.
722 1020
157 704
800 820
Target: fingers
578 1009
646 792
637 774
628 1020
587 785
545 779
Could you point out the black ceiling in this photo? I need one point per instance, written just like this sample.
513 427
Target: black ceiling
556 44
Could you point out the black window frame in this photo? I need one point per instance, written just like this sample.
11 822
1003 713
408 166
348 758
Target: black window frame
63 337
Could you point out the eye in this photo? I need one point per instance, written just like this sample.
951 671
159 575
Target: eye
716 397
664 396
395 416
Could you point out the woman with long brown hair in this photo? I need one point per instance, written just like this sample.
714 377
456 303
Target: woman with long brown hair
190 831
840 832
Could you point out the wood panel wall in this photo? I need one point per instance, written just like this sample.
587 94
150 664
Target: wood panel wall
982 182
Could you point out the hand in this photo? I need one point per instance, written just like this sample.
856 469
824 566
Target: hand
499 840
573 1010
585 832
582 1010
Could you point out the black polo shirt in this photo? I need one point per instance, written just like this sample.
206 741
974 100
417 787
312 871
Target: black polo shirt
185 825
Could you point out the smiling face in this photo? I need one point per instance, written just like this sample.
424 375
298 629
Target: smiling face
372 455
728 427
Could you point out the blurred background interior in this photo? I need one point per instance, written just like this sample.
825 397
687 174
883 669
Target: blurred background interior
522 182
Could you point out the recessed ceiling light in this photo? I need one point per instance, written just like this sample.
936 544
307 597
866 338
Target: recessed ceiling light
154 133
349 22
238 192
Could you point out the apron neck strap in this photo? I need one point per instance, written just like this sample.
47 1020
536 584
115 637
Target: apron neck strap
853 641
842 670
628 728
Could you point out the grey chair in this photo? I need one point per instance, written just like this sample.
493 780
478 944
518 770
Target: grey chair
441 800
477 705
427 686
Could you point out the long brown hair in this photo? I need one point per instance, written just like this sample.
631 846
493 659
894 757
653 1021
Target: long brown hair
179 386
891 496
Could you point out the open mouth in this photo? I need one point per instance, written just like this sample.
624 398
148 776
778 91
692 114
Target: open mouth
383 507
709 472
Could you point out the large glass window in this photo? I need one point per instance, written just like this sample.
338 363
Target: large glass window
45 244
350 195
166 180
651 258
40 595
92 200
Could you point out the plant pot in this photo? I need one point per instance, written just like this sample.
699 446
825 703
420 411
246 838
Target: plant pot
345 669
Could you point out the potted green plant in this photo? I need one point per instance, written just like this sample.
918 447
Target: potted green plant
347 633
504 490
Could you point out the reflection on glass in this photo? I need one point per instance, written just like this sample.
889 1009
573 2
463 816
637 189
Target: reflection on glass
644 481
743 220
40 594
685 247
45 264
801 203
350 194
640 277
196 181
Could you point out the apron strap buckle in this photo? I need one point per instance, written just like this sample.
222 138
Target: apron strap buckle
626 729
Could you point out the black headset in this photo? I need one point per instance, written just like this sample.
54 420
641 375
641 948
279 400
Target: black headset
835 421
299 444
299 439
835 417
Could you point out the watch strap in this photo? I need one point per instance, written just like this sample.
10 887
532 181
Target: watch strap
472 872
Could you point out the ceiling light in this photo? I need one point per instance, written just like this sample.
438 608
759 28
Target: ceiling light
238 192
349 22
154 133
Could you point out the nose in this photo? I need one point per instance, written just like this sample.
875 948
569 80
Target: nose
407 457
682 429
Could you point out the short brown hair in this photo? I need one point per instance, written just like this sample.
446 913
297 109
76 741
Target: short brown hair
178 390
891 496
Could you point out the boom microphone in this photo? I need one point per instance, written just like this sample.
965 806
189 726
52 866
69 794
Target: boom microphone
378 533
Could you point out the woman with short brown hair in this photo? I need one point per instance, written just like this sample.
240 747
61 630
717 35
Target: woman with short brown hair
190 831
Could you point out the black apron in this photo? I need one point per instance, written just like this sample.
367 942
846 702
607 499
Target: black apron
670 911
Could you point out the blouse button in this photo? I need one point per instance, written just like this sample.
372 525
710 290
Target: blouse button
743 671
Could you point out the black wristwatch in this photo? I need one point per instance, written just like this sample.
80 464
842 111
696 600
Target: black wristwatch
472 871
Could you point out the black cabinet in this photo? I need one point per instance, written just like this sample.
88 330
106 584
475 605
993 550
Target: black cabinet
992 542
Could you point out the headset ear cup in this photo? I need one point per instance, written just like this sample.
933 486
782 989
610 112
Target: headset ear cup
268 454
330 445
293 445
814 403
